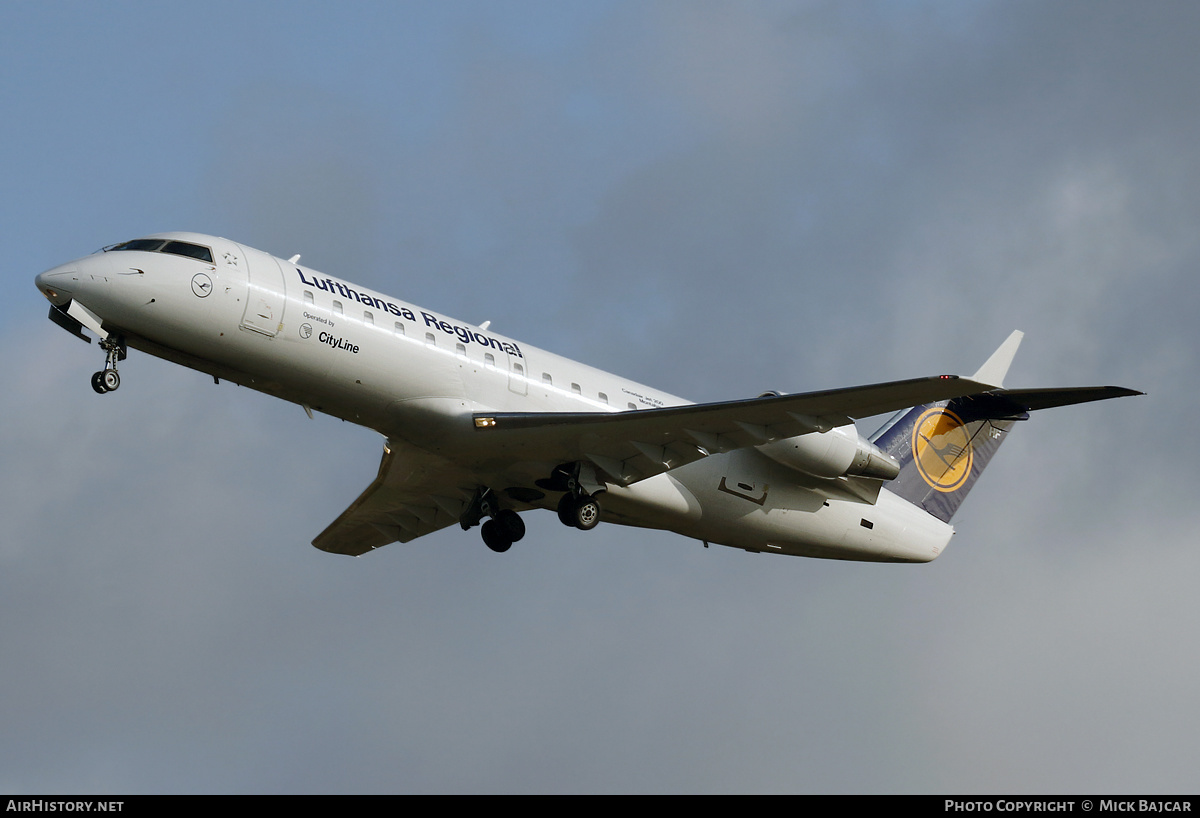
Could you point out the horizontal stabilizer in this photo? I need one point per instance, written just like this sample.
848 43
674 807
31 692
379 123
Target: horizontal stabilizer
943 447
1012 402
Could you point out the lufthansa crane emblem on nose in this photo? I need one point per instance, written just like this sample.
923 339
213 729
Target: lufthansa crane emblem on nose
201 284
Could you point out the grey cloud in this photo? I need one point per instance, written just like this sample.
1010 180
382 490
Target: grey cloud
717 199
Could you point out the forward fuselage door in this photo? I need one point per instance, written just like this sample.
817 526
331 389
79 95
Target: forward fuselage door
518 378
265 296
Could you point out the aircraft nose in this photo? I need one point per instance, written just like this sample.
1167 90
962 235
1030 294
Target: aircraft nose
58 284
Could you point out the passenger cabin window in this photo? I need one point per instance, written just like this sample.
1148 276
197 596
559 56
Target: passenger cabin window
489 360
399 328
575 388
547 379
603 398
337 307
308 297
370 319
460 350
429 339
630 406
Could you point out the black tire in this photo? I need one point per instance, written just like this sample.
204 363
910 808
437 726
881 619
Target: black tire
511 524
587 513
110 379
98 383
495 538
566 511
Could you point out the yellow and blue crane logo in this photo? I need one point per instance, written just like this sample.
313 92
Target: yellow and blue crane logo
941 447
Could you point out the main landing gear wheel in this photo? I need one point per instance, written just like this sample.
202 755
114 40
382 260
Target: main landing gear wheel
566 510
500 532
582 512
511 523
495 537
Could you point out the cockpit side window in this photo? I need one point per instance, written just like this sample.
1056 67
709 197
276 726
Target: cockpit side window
183 248
177 248
146 245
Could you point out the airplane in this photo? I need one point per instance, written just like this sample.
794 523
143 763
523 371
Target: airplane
479 427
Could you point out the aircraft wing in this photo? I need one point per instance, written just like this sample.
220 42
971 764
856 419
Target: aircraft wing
633 445
415 493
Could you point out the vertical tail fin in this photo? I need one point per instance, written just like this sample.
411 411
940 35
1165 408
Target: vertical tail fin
996 367
943 447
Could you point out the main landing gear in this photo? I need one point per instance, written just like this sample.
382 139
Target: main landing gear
107 379
504 527
580 511
578 507
500 532
501 527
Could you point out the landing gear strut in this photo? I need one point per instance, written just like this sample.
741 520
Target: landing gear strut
503 529
107 379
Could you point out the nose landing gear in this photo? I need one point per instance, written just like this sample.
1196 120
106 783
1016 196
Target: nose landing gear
107 379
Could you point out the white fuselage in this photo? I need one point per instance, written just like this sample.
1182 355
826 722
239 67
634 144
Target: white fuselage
418 376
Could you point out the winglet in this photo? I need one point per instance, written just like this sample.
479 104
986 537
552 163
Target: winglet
996 367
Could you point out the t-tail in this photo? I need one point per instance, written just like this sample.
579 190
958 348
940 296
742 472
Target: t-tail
943 447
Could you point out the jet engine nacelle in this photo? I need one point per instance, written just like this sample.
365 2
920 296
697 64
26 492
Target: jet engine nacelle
838 452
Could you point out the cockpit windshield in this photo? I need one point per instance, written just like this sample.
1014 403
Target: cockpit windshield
177 248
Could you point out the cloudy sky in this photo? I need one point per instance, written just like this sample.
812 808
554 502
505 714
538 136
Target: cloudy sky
713 198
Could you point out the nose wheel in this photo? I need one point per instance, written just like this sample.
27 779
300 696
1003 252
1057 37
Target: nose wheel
107 379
